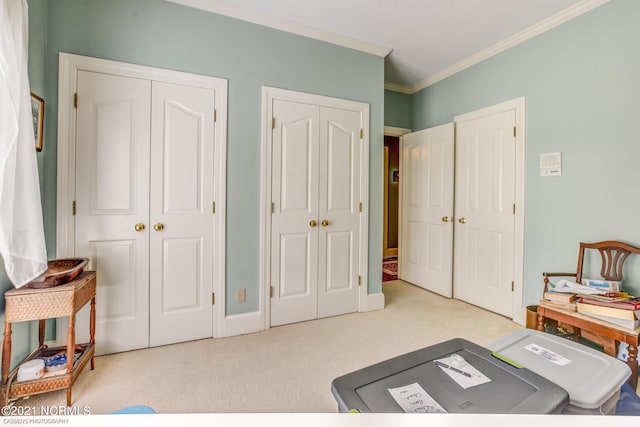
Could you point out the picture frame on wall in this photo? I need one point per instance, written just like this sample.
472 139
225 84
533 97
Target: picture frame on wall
37 111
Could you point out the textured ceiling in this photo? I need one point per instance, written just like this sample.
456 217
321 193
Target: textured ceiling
425 38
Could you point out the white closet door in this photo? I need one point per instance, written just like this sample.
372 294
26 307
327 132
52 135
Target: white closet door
294 221
484 203
112 198
181 216
426 181
339 211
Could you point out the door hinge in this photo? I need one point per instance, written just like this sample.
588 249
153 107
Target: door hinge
512 286
273 207
360 206
514 131
359 280
273 122
75 100
74 207
213 207
271 291
361 133
514 208
213 298
215 116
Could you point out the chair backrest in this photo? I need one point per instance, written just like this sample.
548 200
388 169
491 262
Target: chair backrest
613 254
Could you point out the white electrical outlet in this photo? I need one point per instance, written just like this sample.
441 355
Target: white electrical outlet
241 295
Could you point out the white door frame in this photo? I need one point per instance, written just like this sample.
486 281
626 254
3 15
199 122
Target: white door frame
518 311
268 95
69 65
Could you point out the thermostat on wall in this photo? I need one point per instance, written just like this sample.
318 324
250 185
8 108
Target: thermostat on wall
551 164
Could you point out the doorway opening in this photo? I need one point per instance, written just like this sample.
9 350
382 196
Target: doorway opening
391 207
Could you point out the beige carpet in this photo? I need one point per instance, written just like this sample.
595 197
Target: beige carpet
285 369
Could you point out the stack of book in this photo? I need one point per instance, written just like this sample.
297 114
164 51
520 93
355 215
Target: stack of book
563 300
620 310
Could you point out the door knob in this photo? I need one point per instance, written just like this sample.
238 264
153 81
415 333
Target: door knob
139 227
158 226
462 221
313 223
446 219
324 223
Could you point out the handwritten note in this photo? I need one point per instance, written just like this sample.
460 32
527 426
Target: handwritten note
413 399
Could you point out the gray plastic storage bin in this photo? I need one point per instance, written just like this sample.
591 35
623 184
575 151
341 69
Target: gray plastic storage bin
592 378
511 390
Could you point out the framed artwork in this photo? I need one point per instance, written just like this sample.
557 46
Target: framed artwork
37 111
395 176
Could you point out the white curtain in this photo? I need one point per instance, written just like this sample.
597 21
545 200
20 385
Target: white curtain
22 243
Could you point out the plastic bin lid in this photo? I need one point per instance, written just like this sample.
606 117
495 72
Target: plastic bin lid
589 376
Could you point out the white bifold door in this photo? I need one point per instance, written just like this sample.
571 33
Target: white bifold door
315 221
426 183
144 189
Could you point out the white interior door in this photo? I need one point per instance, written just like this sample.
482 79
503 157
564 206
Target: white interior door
484 211
426 185
294 219
112 199
181 215
339 211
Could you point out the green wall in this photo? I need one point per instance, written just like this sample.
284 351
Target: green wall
580 82
165 35
397 109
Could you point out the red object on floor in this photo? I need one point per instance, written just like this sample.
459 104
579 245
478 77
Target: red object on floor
389 270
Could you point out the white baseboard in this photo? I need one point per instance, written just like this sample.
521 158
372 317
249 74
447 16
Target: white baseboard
245 323
374 302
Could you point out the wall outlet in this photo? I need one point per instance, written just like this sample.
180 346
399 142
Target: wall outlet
241 295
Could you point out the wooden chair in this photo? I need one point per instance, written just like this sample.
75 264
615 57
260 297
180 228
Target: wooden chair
613 254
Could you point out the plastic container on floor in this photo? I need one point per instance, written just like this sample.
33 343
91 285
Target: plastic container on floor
504 388
592 378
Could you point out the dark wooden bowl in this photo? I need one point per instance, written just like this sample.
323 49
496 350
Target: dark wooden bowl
59 272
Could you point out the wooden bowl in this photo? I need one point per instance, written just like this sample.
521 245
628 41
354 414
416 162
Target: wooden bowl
59 272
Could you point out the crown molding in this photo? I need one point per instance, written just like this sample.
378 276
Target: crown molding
396 87
546 25
223 8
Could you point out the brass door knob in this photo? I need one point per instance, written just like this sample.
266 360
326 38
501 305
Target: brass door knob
446 219
324 223
312 223
462 221
139 227
158 226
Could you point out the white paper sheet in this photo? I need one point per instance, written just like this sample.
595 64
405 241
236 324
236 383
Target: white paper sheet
413 399
461 371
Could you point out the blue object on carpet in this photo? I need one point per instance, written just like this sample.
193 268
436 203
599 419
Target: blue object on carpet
135 409
629 401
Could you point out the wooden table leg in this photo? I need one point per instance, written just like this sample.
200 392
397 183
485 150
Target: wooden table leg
540 323
41 329
92 328
6 352
632 361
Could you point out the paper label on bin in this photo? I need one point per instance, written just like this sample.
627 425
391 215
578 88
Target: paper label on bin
461 371
413 399
547 354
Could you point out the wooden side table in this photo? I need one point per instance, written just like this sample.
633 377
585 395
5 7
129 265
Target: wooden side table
26 304
598 327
